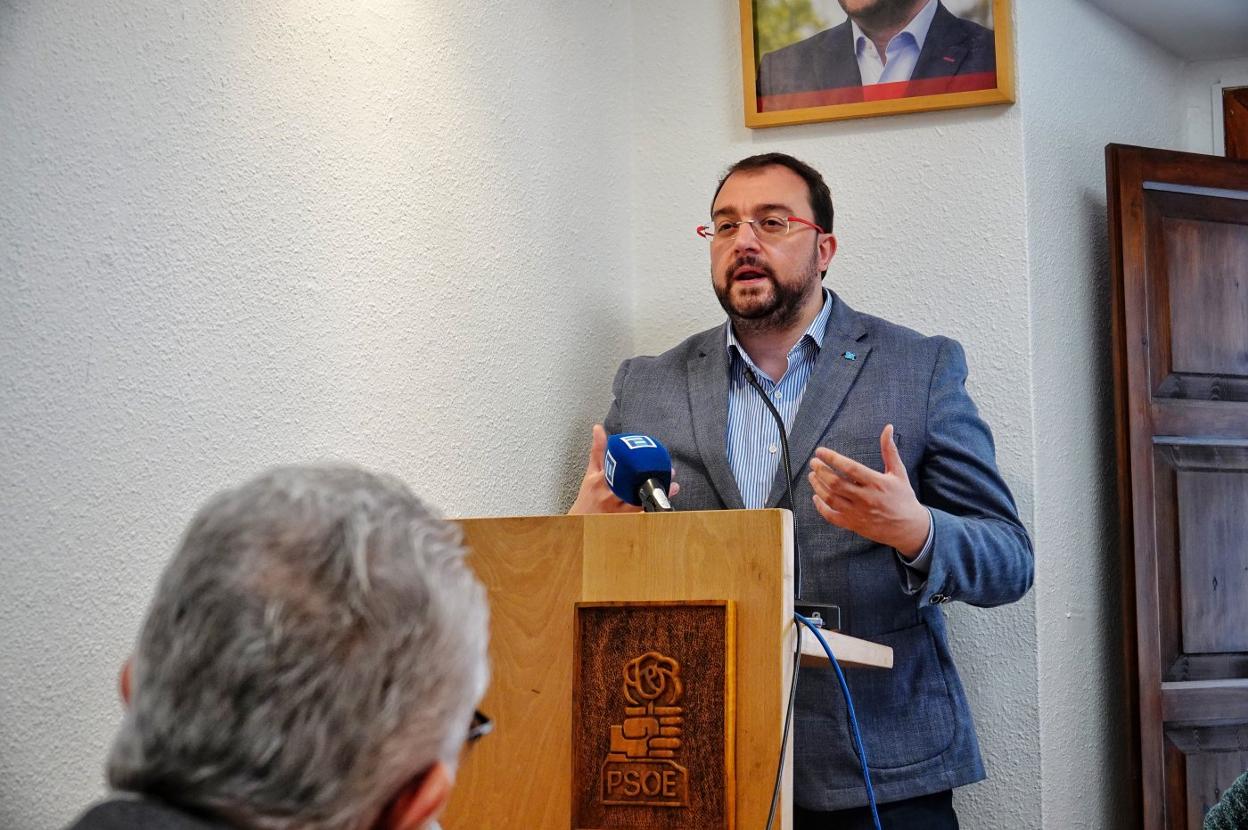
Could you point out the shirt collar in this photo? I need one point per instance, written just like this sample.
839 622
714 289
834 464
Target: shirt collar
814 332
917 28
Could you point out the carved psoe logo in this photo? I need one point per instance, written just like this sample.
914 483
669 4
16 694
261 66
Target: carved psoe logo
640 768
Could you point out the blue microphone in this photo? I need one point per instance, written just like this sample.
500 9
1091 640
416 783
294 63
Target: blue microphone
639 471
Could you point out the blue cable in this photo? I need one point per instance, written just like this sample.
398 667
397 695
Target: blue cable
853 717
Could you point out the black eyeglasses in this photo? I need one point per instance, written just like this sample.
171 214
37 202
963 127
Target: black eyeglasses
480 727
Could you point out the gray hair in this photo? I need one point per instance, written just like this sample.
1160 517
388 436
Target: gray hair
316 642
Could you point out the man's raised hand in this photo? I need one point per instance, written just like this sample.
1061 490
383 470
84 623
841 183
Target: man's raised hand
880 506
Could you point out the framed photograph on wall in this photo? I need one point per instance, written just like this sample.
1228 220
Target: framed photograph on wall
822 60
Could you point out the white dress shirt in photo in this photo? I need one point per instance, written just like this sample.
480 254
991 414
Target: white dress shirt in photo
900 55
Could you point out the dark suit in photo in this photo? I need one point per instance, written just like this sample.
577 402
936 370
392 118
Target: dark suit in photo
953 47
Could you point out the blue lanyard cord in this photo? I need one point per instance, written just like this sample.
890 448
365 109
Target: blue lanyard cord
853 717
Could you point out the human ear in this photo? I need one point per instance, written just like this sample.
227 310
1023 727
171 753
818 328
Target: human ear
124 680
420 801
827 249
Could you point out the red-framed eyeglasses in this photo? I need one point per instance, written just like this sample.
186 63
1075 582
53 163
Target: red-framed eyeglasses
767 227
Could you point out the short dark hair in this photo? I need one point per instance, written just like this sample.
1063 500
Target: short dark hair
816 188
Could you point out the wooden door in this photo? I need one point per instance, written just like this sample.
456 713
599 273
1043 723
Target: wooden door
1235 121
1179 245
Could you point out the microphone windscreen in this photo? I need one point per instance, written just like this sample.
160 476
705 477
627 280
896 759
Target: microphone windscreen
630 460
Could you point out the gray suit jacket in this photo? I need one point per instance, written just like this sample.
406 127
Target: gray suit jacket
915 720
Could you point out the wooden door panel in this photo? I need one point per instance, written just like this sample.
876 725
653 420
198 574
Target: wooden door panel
1208 312
1200 563
1213 525
1211 760
1197 290
1179 241
1176 417
1213 562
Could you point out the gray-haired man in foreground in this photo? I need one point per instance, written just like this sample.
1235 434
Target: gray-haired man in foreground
312 659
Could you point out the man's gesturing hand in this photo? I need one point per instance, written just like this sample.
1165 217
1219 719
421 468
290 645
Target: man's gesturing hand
595 495
880 506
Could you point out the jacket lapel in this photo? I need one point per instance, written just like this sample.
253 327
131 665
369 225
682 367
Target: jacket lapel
837 66
944 49
708 401
829 383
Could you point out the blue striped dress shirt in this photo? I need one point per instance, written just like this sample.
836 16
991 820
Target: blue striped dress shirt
753 438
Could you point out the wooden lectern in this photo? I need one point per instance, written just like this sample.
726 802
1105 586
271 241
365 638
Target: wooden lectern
541 572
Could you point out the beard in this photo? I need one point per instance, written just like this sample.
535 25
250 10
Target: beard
874 14
771 304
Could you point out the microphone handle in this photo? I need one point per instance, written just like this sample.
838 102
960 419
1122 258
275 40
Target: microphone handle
788 474
654 497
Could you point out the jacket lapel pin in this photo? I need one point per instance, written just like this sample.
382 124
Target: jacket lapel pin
850 356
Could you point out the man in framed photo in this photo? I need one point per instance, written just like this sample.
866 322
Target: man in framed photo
883 42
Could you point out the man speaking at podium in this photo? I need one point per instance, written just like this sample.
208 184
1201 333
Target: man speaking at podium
901 507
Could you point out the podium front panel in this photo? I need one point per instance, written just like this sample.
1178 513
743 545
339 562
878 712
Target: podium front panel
536 569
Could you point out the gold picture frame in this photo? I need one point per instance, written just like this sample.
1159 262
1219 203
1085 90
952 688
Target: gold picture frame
815 77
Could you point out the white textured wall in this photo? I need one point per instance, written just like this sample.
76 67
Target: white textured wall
1115 87
931 224
397 231
234 234
1199 135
